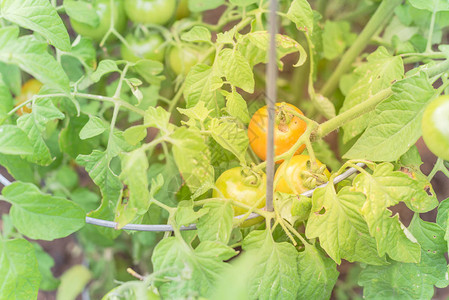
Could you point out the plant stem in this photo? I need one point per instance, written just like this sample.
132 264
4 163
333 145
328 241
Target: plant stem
378 20
110 99
432 25
353 113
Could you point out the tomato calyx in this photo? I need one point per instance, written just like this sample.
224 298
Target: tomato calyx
314 175
251 177
283 117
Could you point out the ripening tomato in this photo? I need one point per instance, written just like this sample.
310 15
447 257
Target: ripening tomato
150 11
103 10
435 126
182 59
288 129
143 47
29 89
247 189
302 174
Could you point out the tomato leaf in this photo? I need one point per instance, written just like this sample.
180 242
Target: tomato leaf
407 280
385 188
186 215
236 106
22 278
73 282
430 5
7 103
236 69
41 216
275 271
134 175
380 70
216 225
230 137
93 127
197 34
342 231
301 14
82 11
396 125
45 262
14 141
317 274
39 16
336 37
202 5
183 271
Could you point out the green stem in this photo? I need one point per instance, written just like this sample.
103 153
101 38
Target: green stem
432 25
353 113
110 99
417 57
378 20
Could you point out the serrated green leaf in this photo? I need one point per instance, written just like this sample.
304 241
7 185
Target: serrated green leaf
193 159
70 140
201 84
198 112
32 57
186 215
336 220
378 73
301 14
82 11
317 274
236 106
396 125
150 71
95 126
230 137
7 103
159 118
337 36
133 135
430 5
45 262
216 225
39 16
275 272
104 67
197 34
84 51
184 271
20 277
254 47
14 141
407 280
236 69
131 290
385 188
41 216
134 175
11 77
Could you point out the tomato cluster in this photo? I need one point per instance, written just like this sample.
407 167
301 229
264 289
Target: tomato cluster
295 176
146 44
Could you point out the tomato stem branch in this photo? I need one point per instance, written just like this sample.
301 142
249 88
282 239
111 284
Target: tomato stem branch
377 21
353 113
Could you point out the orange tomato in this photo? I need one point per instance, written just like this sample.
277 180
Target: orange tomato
29 89
294 171
288 129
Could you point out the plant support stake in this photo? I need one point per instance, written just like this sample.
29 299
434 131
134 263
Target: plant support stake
271 100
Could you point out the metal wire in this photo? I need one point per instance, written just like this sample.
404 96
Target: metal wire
160 227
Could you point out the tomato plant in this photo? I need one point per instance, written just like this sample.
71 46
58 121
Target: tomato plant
435 127
145 151
150 11
105 10
149 46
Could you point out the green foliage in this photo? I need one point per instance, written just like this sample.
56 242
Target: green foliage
135 143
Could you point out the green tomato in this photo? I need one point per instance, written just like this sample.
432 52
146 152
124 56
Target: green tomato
146 47
150 11
182 59
435 127
233 184
182 11
103 9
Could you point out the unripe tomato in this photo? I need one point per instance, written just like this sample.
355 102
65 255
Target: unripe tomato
29 89
233 184
435 127
145 47
103 9
182 11
288 129
302 174
182 59
150 11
